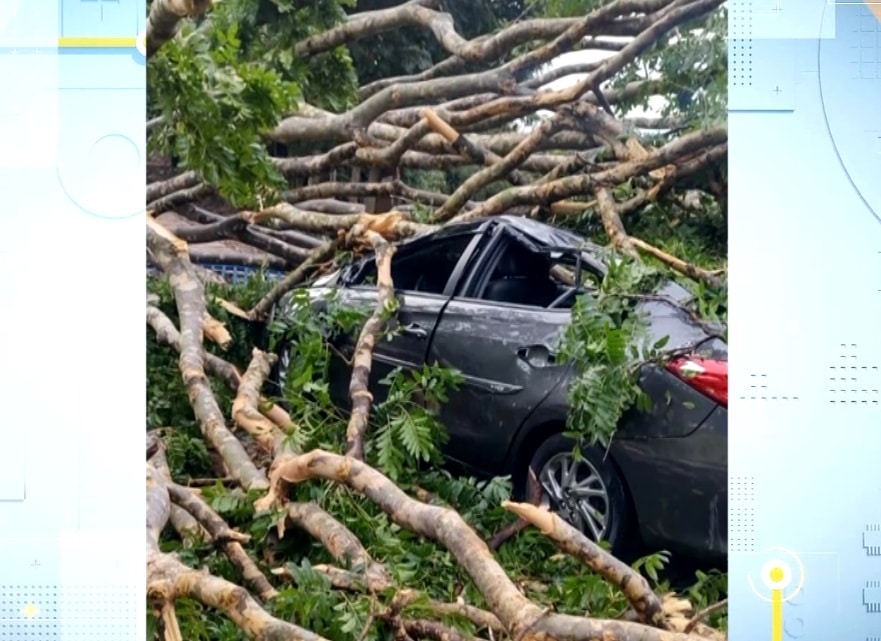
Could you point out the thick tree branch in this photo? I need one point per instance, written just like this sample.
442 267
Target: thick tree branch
637 590
226 538
339 541
245 407
502 80
164 19
561 188
180 197
169 579
495 171
171 255
167 334
517 614
180 182
683 267
370 23
184 523
386 305
493 47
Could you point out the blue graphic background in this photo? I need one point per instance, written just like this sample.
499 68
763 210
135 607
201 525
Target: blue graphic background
102 17
805 293
72 165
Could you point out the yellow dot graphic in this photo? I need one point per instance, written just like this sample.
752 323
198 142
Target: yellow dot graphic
776 574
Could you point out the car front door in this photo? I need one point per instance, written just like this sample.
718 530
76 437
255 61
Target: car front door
506 353
423 274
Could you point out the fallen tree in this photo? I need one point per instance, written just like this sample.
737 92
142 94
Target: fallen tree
271 514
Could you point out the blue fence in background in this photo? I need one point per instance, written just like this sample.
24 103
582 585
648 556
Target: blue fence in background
235 274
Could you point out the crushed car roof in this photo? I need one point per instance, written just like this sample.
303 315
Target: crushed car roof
538 232
544 234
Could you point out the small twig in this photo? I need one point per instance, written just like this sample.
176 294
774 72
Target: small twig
697 618
367 625
317 256
515 527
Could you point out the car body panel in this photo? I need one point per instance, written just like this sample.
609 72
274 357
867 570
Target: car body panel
667 314
402 350
511 373
679 487
677 409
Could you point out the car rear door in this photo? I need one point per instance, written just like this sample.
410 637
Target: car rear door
506 352
423 274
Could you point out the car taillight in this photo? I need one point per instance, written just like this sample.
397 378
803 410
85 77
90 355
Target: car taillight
708 376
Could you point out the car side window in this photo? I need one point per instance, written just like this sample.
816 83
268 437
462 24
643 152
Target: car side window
522 276
424 268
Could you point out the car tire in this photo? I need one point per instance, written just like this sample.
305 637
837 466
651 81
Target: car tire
597 473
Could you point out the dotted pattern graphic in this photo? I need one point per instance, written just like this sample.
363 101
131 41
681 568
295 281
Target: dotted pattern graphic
742 519
740 62
740 45
872 597
872 539
76 612
759 390
866 47
853 382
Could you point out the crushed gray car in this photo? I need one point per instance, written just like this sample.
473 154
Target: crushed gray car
478 297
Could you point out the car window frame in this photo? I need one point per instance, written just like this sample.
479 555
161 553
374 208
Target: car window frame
479 279
459 268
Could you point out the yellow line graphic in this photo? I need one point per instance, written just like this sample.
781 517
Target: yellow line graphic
96 42
777 575
776 615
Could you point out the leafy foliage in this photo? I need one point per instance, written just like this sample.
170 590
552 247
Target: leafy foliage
222 84
604 341
409 432
303 332
270 31
207 95
710 587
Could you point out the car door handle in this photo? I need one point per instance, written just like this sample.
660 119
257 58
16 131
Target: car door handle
414 330
536 355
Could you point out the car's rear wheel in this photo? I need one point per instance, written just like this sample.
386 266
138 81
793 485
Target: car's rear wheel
588 492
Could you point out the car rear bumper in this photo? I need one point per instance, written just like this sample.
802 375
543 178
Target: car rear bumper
679 488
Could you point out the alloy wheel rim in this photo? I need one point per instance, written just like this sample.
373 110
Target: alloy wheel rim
575 490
